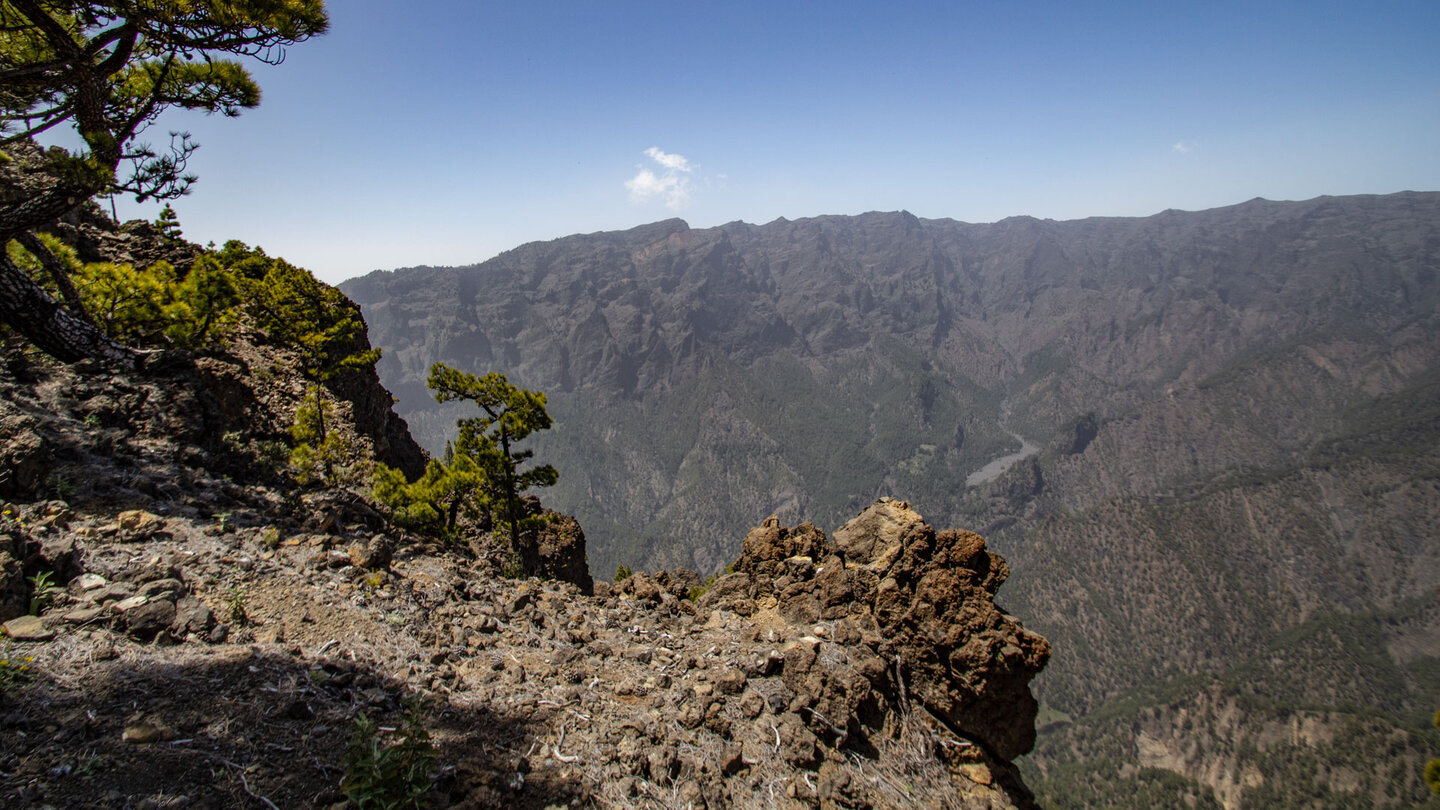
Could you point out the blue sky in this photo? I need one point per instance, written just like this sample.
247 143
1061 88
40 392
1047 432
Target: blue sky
444 132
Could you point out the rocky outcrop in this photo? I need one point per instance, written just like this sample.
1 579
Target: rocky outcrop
24 458
916 609
558 548
373 412
226 391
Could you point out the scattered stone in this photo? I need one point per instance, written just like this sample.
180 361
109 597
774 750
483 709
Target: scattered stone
731 682
192 616
28 628
142 733
130 603
84 615
138 520
163 588
149 619
374 554
85 583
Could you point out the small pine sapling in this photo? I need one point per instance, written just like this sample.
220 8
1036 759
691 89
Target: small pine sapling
319 450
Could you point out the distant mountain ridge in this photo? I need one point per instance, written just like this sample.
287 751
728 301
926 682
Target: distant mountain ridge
1235 409
1065 318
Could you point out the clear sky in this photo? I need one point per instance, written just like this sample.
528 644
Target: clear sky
445 131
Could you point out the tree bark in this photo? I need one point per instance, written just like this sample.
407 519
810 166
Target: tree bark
32 312
58 274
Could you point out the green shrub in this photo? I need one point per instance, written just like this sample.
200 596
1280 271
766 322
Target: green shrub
158 305
202 305
699 590
295 308
42 592
235 609
386 776
321 454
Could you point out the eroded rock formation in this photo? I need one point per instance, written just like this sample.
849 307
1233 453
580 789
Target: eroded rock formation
915 609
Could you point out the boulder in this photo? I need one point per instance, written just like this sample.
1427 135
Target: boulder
146 620
558 550
916 611
192 616
25 457
639 586
875 538
374 554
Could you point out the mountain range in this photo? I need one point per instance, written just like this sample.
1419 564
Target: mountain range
1206 442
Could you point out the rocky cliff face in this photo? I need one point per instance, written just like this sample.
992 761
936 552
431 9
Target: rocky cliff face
1233 411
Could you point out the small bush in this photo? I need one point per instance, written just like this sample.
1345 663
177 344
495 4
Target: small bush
699 590
322 454
236 607
513 567
42 592
386 776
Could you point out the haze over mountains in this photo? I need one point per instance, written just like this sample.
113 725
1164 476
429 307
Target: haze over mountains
1232 519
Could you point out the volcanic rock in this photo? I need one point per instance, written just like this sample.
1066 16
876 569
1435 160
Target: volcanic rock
923 604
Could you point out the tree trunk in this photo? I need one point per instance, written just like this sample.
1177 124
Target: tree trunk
28 309
511 496
58 274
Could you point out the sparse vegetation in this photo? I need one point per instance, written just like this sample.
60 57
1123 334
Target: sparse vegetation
321 452
14 668
382 775
1432 768
42 591
296 309
235 606
699 590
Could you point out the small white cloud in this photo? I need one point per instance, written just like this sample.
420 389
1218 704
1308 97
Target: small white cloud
1183 147
672 183
669 161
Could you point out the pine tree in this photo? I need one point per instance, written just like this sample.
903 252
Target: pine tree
511 414
294 307
436 500
319 448
108 70
169 224
202 306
